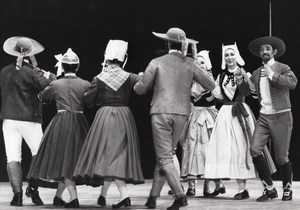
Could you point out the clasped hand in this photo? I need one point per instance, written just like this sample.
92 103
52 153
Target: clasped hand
239 74
266 71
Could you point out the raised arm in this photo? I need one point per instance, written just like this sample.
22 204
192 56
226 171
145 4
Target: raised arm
147 81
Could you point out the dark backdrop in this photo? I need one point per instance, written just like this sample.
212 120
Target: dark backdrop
87 25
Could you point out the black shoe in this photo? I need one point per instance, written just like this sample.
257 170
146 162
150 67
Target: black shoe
242 195
191 192
17 199
268 194
179 202
124 202
221 190
34 195
287 194
29 191
101 201
207 194
57 201
73 204
151 202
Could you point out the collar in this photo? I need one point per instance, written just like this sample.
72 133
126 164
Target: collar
70 74
270 62
172 50
233 70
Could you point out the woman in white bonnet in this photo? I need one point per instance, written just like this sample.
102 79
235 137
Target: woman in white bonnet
198 132
111 151
65 134
228 154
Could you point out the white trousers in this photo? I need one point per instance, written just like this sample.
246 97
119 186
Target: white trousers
14 131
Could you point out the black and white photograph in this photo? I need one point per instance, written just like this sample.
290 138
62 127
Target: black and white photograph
149 104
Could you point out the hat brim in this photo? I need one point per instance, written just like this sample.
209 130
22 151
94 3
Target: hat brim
10 44
167 38
254 46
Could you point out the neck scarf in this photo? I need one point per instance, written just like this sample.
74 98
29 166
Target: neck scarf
113 76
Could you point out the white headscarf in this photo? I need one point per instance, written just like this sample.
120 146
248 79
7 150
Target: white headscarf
116 49
205 55
234 47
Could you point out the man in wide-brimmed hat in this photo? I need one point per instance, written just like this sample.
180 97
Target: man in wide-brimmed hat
171 77
272 83
20 84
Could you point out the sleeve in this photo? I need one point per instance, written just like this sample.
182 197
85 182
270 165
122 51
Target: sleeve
90 96
147 81
39 80
286 79
203 78
134 78
252 88
244 88
216 92
48 94
86 85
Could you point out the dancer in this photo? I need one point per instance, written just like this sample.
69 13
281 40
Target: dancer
197 134
65 134
272 83
170 107
21 112
111 151
228 152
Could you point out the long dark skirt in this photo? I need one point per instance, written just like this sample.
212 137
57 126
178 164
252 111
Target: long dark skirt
111 150
60 148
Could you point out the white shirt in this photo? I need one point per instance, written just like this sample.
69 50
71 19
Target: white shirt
264 86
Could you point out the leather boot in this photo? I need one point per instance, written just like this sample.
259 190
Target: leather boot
158 181
17 199
15 176
179 202
262 168
151 202
287 178
173 179
286 173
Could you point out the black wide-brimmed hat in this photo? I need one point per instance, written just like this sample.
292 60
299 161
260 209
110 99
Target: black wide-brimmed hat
271 40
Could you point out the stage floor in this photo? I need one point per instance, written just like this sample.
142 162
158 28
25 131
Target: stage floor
139 193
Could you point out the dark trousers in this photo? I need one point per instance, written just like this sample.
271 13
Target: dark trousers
278 128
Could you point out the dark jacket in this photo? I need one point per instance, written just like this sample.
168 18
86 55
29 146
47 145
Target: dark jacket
19 91
67 92
282 82
101 94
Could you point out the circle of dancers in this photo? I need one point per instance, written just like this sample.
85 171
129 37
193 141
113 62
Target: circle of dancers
219 135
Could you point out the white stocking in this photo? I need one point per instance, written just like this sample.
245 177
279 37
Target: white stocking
104 188
122 189
71 188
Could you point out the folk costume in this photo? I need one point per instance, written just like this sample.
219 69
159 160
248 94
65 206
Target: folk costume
65 134
170 108
275 121
111 151
21 112
198 131
228 152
